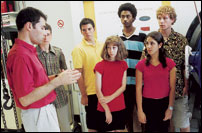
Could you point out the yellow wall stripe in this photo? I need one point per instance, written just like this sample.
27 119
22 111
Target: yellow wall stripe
166 3
89 12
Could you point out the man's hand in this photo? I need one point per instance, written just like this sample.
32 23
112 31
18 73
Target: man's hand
69 77
185 91
84 100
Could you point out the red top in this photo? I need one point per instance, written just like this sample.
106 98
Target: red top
25 73
156 79
112 75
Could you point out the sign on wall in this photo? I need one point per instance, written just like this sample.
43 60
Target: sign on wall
60 23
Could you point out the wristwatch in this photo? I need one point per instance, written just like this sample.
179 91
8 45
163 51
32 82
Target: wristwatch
170 107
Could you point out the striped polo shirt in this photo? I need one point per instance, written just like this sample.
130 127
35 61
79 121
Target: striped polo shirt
134 45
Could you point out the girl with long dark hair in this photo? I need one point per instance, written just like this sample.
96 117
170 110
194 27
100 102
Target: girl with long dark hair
157 72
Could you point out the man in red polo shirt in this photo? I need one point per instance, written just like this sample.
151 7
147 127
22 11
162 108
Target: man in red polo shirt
32 89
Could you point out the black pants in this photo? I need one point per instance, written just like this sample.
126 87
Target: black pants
118 121
91 112
130 101
154 110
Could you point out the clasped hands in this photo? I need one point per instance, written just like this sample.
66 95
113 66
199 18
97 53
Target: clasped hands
105 99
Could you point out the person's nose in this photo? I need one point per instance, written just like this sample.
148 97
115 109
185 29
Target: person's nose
87 31
44 33
125 19
148 46
45 37
161 20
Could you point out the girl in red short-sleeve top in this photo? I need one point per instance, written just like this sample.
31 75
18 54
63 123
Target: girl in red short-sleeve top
110 85
157 72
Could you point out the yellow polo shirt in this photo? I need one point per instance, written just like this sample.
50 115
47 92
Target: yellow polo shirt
86 56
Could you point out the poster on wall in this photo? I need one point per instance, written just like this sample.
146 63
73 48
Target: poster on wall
108 22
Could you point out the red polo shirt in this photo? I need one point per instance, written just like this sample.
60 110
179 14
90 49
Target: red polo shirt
25 73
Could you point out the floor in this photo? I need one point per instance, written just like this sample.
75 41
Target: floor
196 115
195 120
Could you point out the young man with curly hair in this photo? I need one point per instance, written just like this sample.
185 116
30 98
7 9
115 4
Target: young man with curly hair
175 49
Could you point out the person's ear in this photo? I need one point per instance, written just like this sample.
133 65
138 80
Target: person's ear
173 20
160 45
81 32
134 19
28 26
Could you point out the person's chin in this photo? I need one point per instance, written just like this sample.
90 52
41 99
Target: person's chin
149 52
46 43
162 27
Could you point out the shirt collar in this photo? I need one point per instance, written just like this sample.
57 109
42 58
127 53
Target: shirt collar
172 33
22 43
88 44
136 32
51 49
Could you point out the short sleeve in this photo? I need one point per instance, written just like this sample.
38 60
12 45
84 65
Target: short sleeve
22 77
140 65
63 64
99 67
125 65
170 63
77 57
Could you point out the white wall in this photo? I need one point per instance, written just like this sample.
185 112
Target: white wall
185 14
108 22
77 15
68 11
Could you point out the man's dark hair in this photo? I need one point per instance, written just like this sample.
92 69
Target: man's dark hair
128 7
48 27
86 21
29 14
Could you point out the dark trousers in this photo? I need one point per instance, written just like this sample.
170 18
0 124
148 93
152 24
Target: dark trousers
130 101
154 110
91 112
